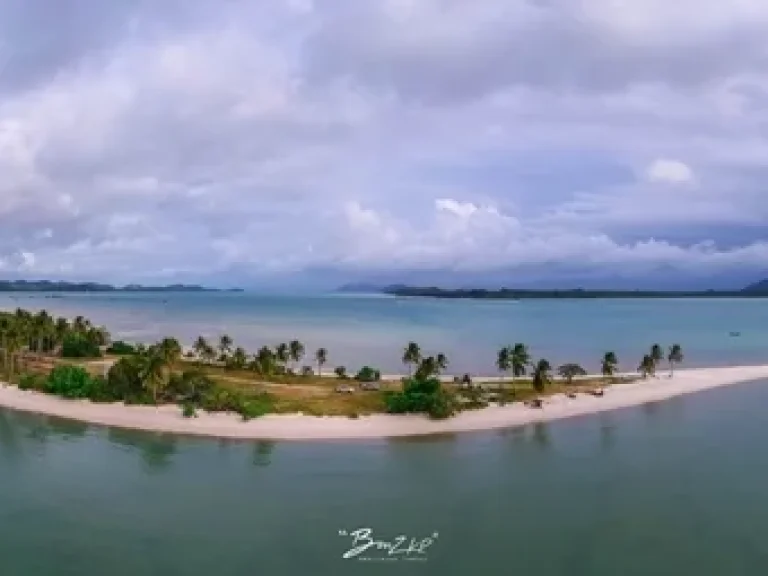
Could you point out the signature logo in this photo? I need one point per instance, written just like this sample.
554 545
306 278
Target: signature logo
401 547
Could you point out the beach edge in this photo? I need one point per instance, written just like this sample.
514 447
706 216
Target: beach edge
168 419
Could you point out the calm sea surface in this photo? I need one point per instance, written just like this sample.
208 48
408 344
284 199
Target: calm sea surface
677 487
374 329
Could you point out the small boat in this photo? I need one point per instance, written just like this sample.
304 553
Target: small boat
735 334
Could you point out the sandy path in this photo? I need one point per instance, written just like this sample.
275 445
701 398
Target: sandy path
299 427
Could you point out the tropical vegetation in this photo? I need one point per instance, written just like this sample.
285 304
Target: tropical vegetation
77 359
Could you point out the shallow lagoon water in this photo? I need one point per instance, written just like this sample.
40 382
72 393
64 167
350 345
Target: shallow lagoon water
675 487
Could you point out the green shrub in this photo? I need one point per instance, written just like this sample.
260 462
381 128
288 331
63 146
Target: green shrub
307 371
190 386
120 348
421 396
79 346
124 380
368 374
188 410
101 392
70 382
221 400
33 382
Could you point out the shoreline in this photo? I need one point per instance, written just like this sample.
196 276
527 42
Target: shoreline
168 419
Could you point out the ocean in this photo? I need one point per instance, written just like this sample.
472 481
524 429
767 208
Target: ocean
668 488
374 329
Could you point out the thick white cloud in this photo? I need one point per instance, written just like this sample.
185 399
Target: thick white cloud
188 139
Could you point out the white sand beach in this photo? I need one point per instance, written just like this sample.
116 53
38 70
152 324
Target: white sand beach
299 427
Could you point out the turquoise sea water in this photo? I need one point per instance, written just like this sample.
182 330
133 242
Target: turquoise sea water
374 329
670 488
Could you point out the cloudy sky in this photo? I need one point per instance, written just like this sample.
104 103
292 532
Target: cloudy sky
236 140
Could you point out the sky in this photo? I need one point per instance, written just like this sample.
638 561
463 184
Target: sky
315 142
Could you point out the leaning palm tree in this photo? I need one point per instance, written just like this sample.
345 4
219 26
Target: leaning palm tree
541 376
609 364
569 371
321 357
647 366
675 357
411 356
657 355
520 359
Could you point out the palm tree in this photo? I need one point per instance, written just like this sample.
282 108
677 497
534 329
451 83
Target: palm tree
265 361
520 359
569 371
41 328
321 357
169 350
647 366
503 362
209 354
657 355
282 354
608 364
153 371
199 347
79 324
295 351
239 358
5 329
541 375
98 335
14 339
225 346
675 357
427 368
61 330
411 356
442 362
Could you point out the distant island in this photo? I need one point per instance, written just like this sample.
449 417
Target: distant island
757 290
55 286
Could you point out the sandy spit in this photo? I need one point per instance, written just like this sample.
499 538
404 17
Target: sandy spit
298 427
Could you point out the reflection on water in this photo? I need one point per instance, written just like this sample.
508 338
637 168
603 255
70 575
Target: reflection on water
607 431
9 436
66 428
262 453
541 435
156 450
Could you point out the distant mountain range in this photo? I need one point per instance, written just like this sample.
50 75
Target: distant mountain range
759 287
55 286
756 290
